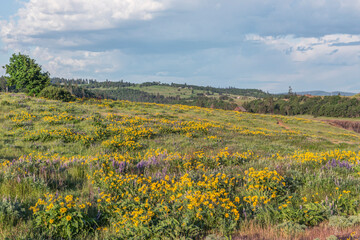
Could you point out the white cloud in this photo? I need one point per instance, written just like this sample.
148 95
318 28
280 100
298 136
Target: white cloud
329 49
68 63
43 16
193 41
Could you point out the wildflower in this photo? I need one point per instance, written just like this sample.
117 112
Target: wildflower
63 210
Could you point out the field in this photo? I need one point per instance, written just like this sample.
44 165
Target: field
103 169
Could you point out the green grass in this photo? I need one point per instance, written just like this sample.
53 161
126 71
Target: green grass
81 148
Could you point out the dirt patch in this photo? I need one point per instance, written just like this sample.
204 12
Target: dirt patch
348 125
282 124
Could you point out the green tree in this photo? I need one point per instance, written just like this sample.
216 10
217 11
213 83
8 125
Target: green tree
3 87
25 74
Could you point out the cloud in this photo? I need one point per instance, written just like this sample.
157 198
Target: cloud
44 16
263 44
77 63
190 20
329 49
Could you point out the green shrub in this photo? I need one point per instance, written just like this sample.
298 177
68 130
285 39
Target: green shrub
344 222
59 217
291 228
332 237
11 211
5 103
56 93
310 214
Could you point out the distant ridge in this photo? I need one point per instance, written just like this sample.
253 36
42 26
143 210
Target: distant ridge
323 93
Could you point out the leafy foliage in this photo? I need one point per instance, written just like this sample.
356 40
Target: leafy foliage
11 211
56 93
25 74
62 217
343 222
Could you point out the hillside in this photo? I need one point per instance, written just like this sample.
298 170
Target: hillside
156 92
108 169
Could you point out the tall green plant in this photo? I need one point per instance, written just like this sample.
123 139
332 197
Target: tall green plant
25 74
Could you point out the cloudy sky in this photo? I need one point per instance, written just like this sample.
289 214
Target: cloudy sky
269 45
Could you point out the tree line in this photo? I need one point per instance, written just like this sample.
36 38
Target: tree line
329 106
23 74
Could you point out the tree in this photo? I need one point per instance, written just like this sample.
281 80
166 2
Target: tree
25 74
3 87
290 92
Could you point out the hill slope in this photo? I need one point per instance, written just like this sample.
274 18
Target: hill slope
115 169
156 92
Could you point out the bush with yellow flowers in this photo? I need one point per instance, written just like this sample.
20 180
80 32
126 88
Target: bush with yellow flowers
21 119
62 217
142 205
262 186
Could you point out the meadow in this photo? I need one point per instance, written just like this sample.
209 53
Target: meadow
104 169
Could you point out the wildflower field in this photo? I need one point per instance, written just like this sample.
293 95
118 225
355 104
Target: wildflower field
103 169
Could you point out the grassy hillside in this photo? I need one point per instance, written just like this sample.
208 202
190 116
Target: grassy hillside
189 92
156 92
107 169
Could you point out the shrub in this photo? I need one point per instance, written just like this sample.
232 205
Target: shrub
56 93
61 217
291 228
11 211
344 222
332 237
5 103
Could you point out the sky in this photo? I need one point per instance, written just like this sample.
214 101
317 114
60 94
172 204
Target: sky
268 45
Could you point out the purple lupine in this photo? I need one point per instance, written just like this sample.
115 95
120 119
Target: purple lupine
334 163
141 165
121 167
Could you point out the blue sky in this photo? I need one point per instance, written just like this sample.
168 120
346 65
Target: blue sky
269 45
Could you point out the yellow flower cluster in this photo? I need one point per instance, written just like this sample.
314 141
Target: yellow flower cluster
61 118
262 186
66 134
20 118
319 157
137 200
52 209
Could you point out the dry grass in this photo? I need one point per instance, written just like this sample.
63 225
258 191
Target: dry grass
251 231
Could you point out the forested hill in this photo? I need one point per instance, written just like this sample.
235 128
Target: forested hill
156 92
330 106
324 93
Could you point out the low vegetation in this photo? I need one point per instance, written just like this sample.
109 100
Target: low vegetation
109 169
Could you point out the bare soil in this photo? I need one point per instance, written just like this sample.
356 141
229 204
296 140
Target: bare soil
346 124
